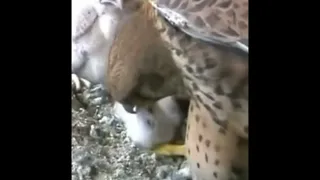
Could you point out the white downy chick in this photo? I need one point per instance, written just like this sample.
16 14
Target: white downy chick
93 29
149 128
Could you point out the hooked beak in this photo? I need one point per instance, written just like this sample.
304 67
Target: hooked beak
130 108
117 3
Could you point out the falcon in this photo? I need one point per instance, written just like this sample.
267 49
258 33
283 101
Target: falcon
208 45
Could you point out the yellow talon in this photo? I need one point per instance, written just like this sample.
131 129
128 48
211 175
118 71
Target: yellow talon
170 150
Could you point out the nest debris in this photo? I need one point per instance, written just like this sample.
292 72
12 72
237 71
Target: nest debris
102 151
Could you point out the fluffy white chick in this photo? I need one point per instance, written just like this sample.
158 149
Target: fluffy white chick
147 128
93 28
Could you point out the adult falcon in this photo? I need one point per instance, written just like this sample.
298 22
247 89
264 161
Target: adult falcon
208 42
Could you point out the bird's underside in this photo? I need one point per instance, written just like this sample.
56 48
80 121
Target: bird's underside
215 77
140 68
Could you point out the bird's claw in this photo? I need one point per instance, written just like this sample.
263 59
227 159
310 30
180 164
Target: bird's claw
90 95
78 84
96 95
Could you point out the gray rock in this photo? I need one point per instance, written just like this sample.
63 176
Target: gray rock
102 151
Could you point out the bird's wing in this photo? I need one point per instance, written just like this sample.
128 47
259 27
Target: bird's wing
217 21
84 21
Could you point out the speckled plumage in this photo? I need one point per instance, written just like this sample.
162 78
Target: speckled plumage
223 22
149 72
215 77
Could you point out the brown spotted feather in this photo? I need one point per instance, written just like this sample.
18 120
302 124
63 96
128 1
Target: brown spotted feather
215 77
221 20
140 66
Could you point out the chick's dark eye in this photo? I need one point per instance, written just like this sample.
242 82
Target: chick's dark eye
150 123
150 110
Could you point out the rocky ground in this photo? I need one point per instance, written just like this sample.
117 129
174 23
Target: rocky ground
102 151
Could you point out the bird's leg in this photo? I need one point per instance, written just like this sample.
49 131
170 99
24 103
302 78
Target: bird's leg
177 146
170 149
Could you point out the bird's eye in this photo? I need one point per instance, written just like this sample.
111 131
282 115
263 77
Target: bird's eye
150 110
150 123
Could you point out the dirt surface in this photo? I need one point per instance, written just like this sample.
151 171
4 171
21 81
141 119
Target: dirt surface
102 151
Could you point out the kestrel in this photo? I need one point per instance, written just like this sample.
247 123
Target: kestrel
208 42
